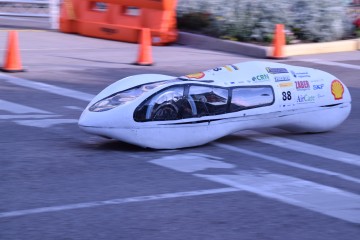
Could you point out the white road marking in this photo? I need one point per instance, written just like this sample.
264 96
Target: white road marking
338 64
191 162
288 163
19 108
302 147
74 108
7 117
117 201
309 195
44 123
47 88
306 194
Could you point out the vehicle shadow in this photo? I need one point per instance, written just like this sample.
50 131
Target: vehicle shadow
108 145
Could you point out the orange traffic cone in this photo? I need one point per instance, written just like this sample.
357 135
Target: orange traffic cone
145 52
12 57
279 42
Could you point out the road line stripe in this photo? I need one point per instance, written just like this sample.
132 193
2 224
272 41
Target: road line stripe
7 117
18 108
295 191
191 162
117 201
322 62
309 195
47 88
45 123
74 108
285 162
298 146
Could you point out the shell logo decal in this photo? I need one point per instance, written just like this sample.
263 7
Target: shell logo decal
337 89
198 75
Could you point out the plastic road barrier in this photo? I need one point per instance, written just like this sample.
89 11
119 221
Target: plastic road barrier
120 20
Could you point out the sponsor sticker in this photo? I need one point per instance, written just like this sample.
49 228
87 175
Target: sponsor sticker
261 78
293 73
305 98
234 67
282 78
287 84
318 86
300 74
228 68
302 85
316 80
198 75
337 89
276 70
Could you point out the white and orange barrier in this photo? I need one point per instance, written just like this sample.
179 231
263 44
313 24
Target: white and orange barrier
120 20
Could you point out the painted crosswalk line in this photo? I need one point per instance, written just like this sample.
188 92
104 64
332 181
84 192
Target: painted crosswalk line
309 195
45 123
298 146
19 108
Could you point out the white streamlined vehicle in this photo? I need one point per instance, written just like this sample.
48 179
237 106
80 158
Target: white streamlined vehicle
166 112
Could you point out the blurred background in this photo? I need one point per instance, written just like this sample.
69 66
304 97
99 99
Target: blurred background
239 20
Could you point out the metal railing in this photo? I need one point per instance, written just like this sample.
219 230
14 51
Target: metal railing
32 8
24 8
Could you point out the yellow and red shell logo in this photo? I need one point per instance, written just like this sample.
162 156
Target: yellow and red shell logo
337 89
198 75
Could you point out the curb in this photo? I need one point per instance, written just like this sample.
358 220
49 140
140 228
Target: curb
325 47
210 43
252 50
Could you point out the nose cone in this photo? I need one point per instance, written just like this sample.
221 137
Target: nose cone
90 123
85 119
98 123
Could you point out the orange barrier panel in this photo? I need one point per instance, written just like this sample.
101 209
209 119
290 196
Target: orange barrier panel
120 20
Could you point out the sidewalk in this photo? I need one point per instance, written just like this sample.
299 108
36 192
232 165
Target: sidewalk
210 43
51 51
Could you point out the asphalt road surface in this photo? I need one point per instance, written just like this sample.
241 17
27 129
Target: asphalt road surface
56 182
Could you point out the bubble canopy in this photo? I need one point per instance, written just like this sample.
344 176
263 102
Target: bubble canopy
124 97
194 101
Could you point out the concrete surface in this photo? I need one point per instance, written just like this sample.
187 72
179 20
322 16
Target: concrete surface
210 43
253 50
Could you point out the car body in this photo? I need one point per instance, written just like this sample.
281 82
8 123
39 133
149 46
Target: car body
167 112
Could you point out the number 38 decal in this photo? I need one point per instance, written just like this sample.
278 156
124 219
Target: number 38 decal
286 95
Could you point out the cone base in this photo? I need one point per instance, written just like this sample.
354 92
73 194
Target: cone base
278 58
143 64
11 71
